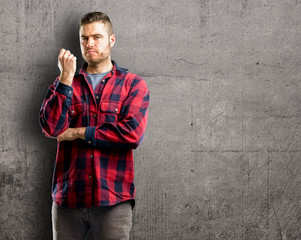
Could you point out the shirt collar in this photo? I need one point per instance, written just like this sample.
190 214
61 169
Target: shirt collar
115 68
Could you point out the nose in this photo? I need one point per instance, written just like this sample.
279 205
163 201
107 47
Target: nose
90 42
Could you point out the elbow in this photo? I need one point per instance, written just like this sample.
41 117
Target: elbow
49 130
52 128
134 145
49 133
45 128
137 143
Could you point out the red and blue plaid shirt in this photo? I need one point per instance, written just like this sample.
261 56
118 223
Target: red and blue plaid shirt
97 171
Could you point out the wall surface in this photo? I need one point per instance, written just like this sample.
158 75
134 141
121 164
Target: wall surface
222 152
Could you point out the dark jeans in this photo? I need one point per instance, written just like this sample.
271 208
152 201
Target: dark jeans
104 223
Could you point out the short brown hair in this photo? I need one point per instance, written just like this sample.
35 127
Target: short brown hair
97 16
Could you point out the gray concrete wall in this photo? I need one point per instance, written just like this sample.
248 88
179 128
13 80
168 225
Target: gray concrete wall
221 157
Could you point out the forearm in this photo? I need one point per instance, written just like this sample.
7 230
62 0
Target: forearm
127 133
66 79
104 136
54 109
72 133
80 132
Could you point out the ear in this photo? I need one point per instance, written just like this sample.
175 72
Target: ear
112 40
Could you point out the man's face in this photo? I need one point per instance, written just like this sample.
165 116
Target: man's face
96 44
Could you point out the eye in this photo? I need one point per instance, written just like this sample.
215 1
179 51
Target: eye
84 39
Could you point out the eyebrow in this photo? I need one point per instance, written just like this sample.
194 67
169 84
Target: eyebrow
93 35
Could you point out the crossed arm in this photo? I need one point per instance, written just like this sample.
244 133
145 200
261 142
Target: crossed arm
71 134
126 133
67 66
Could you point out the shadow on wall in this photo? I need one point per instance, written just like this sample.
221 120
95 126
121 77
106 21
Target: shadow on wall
67 38
71 42
43 72
46 73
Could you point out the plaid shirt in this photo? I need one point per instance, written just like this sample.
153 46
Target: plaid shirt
97 171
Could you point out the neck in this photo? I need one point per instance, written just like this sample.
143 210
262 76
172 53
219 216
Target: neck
104 66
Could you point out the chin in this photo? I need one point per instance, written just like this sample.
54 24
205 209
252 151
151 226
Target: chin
95 62
91 60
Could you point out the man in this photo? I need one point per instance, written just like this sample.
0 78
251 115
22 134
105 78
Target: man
98 115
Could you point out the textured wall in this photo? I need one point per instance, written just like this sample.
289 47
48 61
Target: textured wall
221 157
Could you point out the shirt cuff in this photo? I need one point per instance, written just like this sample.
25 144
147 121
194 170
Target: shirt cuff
90 136
64 89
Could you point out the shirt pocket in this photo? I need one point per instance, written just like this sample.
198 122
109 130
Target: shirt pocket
110 110
76 113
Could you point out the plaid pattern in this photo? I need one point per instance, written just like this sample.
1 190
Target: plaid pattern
97 171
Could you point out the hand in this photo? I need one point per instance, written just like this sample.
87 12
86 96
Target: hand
71 134
68 135
67 66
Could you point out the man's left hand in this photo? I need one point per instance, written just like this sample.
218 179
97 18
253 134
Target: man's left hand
71 134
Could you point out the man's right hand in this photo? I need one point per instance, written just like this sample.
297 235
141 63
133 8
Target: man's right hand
67 66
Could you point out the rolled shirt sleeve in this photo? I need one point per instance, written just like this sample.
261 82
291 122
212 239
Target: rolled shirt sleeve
54 109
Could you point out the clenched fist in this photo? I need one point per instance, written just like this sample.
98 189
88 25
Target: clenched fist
67 66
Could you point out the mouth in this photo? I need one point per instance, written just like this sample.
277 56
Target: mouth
90 52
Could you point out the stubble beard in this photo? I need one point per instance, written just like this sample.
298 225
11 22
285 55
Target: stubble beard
99 61
102 59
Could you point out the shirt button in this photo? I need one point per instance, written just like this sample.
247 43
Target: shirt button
116 110
91 156
72 111
89 142
97 97
94 116
90 177
70 91
103 80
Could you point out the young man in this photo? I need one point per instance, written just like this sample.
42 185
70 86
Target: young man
98 115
